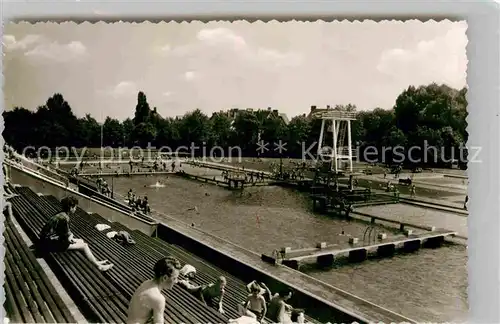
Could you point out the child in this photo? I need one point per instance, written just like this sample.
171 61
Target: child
255 303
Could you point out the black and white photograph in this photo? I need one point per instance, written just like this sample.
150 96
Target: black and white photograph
236 172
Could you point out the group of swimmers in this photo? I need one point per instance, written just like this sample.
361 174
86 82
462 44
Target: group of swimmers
248 176
137 203
103 187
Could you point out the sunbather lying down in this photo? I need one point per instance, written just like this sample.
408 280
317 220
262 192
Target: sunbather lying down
207 293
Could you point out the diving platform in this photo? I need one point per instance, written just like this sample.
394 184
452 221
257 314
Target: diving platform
230 183
325 255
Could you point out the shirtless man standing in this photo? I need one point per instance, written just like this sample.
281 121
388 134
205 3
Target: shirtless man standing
148 303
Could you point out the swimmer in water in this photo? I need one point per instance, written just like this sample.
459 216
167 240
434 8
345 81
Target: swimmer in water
148 303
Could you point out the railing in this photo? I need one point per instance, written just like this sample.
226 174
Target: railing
334 114
341 152
38 169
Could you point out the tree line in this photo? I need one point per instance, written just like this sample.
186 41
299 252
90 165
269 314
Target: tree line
432 114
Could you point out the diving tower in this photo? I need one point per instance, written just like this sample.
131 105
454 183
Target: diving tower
339 124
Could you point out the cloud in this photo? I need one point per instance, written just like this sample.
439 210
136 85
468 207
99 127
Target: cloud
440 59
166 48
55 51
278 58
189 75
221 36
167 93
223 44
39 47
124 88
11 43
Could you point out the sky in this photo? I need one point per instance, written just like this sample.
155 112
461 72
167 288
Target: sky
99 68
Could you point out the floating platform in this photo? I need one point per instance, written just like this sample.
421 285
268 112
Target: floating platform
124 174
326 255
232 184
300 185
339 201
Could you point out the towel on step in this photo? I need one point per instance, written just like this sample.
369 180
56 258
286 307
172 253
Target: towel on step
243 320
111 234
123 238
102 227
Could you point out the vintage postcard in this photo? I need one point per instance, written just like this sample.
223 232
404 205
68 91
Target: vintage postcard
236 172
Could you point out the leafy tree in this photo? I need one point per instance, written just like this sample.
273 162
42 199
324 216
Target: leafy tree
432 115
246 131
19 126
273 130
88 132
298 133
128 132
112 132
195 128
220 129
144 134
142 110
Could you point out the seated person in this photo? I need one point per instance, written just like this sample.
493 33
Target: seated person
55 235
297 316
147 303
264 290
276 311
145 207
7 210
255 303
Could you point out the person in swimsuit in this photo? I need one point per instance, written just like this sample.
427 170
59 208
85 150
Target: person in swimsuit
264 290
148 303
212 291
297 316
276 311
255 303
55 235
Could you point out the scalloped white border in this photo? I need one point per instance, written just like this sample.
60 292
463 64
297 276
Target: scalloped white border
483 53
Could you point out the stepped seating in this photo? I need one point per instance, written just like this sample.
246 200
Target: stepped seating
129 271
30 296
96 296
236 290
133 264
137 258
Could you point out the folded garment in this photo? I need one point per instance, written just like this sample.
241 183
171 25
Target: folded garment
186 270
111 234
102 227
